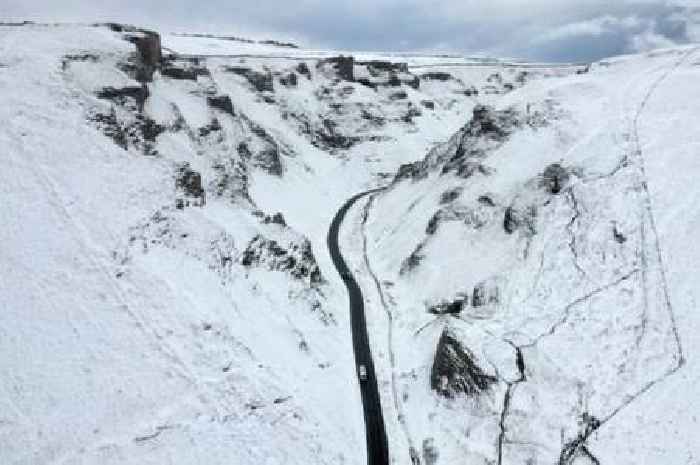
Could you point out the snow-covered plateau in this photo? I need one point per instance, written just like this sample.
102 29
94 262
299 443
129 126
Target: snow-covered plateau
530 272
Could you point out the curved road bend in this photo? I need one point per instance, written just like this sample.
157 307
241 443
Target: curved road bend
377 446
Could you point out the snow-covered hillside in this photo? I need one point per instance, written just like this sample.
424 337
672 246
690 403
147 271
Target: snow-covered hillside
166 295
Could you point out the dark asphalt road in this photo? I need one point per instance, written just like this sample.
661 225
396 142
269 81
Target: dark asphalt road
377 446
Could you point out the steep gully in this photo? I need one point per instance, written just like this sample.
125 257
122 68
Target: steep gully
377 446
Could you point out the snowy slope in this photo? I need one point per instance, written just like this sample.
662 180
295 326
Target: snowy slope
166 295
131 331
572 300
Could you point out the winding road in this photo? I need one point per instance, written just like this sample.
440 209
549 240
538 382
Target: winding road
377 446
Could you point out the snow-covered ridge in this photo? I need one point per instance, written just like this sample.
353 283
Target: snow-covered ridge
166 295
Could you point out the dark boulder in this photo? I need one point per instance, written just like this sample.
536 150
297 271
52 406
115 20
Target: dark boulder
450 195
189 181
555 177
429 104
277 218
511 220
303 69
455 370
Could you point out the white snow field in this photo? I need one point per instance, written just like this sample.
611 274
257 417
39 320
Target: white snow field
166 295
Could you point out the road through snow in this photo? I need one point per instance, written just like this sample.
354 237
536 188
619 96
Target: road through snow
377 446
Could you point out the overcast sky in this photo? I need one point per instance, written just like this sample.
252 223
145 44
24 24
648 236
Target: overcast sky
551 30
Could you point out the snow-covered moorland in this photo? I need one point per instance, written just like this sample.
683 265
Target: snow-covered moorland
166 295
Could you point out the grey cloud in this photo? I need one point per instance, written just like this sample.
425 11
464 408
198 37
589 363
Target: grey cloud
585 29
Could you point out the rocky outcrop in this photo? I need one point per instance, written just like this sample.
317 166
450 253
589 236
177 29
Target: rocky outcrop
183 69
123 95
149 54
455 370
189 183
297 259
262 150
449 308
514 219
221 102
486 293
451 195
342 66
411 262
139 132
437 76
289 80
303 69
261 82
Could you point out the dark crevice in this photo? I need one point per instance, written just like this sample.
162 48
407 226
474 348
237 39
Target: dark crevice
520 364
570 228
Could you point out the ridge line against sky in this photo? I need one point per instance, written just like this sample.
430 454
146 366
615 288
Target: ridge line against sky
546 30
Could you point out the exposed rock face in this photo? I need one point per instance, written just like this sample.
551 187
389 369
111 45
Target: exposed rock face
140 132
221 102
491 123
455 371
463 154
514 219
437 76
451 195
411 262
277 218
384 66
121 95
303 69
184 69
486 293
262 82
344 67
448 308
290 80
149 54
297 259
430 452
264 151
189 181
